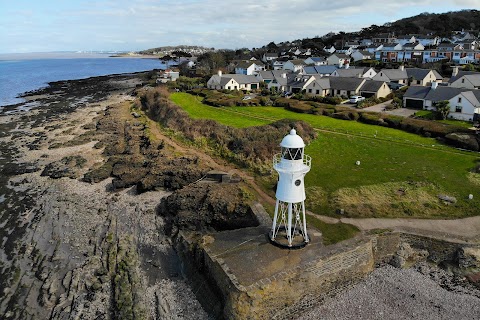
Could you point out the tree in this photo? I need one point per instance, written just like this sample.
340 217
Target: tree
443 108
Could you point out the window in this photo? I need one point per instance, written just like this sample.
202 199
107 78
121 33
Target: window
458 109
309 90
317 91
459 100
463 80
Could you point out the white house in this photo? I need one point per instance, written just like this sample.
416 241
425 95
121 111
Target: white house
355 73
464 103
338 59
317 61
233 82
249 67
468 81
359 55
294 65
392 76
269 57
422 77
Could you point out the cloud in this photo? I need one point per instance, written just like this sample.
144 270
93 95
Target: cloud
139 24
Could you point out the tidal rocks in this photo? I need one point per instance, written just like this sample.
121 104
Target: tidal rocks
206 207
66 167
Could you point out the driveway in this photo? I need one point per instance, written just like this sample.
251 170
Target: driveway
402 112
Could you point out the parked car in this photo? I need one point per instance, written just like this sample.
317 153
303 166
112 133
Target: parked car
247 98
356 99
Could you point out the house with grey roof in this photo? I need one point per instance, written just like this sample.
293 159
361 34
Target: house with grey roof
467 81
422 77
323 71
249 67
359 55
294 65
338 59
355 72
464 103
233 82
316 61
318 86
275 78
377 89
394 77
341 86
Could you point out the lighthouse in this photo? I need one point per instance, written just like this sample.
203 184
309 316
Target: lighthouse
289 228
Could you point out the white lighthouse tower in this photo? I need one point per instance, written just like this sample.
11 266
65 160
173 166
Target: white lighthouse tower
289 227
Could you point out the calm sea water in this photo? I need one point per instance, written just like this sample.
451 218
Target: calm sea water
18 75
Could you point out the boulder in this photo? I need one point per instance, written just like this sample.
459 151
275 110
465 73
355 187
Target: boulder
463 140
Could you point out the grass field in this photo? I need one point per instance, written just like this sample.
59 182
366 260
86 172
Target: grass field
400 174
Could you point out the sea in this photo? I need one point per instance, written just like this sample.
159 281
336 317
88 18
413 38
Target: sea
20 73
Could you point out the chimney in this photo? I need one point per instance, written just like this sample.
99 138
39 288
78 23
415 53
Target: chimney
402 67
454 71
219 73
284 75
434 85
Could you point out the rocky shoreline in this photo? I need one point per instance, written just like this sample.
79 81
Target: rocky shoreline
82 221
76 249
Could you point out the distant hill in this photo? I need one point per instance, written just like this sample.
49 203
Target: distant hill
441 24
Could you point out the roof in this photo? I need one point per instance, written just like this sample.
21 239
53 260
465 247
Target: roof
417 92
239 78
323 83
350 72
271 74
317 59
372 85
298 62
319 69
341 55
365 53
343 83
292 140
393 74
444 93
244 64
418 73
271 54
462 73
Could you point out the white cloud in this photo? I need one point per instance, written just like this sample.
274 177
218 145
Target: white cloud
213 23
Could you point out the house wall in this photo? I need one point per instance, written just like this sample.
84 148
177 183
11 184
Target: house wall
468 109
462 83
383 91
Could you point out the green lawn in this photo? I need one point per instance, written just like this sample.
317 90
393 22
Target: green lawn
197 110
387 156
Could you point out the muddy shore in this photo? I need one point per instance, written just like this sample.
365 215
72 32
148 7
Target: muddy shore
76 249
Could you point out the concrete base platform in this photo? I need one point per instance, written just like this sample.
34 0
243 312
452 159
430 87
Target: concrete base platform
257 280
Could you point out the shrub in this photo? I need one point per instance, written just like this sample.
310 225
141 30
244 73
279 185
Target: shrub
372 118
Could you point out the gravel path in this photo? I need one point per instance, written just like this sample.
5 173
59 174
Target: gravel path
390 293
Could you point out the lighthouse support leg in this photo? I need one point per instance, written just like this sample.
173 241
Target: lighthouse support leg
274 225
289 227
305 235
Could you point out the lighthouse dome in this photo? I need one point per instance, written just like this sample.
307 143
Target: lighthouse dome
292 140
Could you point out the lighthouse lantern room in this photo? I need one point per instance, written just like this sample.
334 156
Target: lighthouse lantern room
289 228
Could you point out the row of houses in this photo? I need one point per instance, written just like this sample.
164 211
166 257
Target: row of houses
312 85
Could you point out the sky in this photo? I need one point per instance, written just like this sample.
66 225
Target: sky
132 25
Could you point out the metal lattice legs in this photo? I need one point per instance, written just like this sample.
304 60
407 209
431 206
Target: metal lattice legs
289 223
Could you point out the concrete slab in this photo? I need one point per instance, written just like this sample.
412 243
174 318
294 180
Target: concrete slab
251 257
